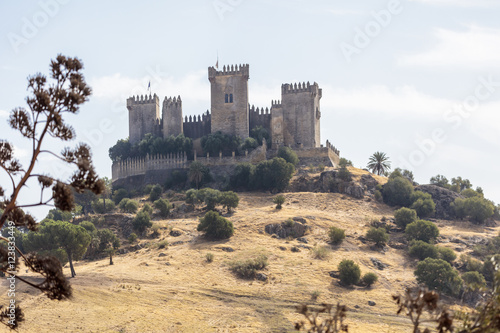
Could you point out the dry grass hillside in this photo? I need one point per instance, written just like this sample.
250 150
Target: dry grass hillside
174 289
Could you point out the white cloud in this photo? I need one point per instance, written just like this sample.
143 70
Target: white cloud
460 3
404 101
477 47
3 114
485 122
344 12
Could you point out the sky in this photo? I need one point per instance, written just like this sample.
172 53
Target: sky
416 79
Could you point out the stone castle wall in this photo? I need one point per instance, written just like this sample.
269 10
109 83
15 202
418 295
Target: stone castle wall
229 100
197 126
301 114
144 116
260 117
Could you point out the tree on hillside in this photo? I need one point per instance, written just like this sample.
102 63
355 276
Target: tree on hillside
107 191
440 180
53 235
108 243
195 174
379 163
47 103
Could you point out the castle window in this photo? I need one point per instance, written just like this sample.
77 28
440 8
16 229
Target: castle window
230 98
226 99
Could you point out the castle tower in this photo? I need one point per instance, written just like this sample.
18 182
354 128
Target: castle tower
229 100
143 116
172 116
301 114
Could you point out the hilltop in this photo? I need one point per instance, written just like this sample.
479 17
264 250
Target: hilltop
175 289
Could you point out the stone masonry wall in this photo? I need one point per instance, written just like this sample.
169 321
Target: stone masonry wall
144 116
230 118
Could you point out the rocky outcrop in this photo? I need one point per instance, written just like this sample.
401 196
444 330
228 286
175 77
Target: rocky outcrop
443 198
287 229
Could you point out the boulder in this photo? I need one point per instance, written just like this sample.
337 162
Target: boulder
285 230
355 190
443 198
369 183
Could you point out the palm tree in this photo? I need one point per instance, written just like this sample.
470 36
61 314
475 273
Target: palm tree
196 173
379 163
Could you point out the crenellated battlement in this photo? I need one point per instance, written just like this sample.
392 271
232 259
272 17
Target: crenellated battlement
142 99
294 88
175 101
243 70
332 147
140 165
276 104
259 111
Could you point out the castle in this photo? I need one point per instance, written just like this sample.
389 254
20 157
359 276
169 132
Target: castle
293 122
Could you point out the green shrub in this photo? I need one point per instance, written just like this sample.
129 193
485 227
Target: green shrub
155 230
320 252
119 194
192 197
422 230
470 263
279 200
249 144
288 155
162 244
155 193
248 268
349 272
321 167
147 209
473 281
336 235
100 208
446 254
423 204
421 250
229 200
129 206
369 279
377 235
209 257
397 192
479 209
476 208
163 207
218 141
343 162
210 196
260 134
147 189
344 174
242 175
272 175
438 275
378 195
489 268
89 226
141 222
132 237
405 216
216 226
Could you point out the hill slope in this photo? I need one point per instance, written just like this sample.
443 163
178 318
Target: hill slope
176 290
